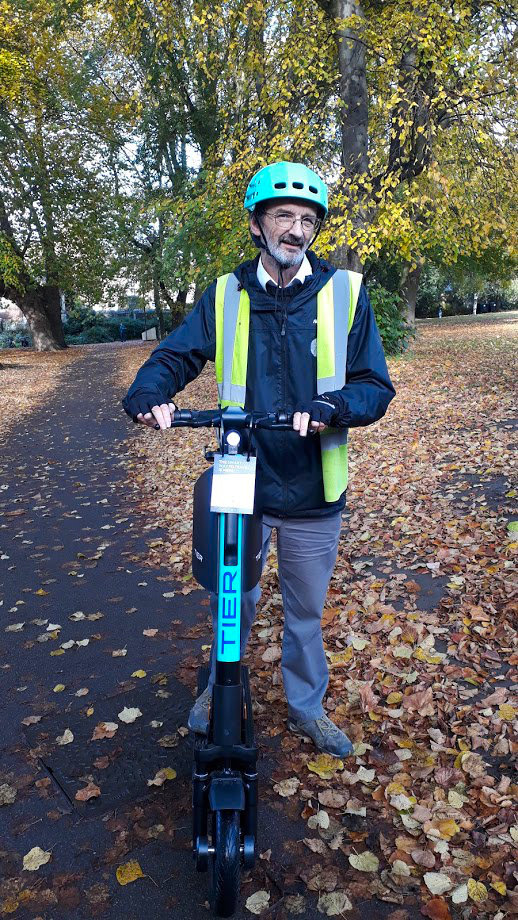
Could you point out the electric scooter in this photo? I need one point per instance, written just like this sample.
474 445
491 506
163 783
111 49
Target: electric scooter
226 559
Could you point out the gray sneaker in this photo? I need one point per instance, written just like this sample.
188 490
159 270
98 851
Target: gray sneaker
327 736
199 715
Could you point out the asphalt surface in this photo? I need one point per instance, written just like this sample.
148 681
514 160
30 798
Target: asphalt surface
72 541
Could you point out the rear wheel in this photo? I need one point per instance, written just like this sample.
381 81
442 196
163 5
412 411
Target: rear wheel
226 872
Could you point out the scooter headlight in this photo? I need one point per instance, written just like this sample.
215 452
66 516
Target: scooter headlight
233 439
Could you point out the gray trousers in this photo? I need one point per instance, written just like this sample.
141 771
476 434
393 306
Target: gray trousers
306 550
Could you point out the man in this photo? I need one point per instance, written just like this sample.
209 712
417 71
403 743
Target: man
312 348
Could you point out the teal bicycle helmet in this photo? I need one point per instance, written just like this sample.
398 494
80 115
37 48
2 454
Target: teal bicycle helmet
286 180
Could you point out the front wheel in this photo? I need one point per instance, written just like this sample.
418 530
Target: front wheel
226 862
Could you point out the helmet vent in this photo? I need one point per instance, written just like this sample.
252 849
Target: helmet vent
313 189
280 185
297 184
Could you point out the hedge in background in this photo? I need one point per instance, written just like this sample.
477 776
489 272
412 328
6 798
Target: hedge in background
388 308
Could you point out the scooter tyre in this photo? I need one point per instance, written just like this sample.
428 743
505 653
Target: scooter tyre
226 871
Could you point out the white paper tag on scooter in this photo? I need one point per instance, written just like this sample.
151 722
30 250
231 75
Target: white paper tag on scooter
233 484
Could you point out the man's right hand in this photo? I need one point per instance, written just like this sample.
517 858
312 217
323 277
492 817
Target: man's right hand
159 414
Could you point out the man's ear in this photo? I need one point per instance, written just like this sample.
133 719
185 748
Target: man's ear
255 232
254 226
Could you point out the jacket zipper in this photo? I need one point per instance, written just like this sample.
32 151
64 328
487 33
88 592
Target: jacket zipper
283 390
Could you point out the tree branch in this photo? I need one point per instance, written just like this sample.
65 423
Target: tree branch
7 230
325 5
146 247
172 304
27 243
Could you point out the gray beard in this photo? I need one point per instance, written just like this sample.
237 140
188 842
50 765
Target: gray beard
284 259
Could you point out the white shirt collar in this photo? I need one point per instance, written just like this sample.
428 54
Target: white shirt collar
263 276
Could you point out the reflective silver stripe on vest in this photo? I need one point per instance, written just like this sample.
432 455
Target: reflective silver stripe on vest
226 389
341 302
237 394
336 437
333 437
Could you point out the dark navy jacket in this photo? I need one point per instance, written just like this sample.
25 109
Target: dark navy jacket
281 374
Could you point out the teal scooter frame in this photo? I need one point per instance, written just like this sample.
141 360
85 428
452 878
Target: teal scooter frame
226 559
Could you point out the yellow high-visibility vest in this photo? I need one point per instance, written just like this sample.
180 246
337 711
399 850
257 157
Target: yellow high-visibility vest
336 307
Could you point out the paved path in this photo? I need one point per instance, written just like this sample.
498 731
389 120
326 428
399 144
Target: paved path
70 541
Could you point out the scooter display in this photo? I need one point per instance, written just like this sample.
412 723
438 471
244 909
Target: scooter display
226 560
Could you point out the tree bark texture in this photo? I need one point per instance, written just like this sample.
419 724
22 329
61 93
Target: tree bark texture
39 303
353 91
42 309
41 306
157 301
408 287
354 123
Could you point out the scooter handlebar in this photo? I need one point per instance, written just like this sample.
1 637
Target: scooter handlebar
213 418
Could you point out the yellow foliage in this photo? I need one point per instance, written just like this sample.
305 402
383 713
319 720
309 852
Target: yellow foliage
236 92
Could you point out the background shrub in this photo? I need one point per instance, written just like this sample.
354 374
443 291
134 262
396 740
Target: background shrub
389 311
16 337
86 327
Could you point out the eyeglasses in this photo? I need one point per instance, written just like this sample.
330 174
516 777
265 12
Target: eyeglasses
286 221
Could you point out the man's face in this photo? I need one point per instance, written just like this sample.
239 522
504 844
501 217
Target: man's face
287 243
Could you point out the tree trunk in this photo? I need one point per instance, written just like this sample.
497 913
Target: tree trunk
198 291
345 257
181 299
67 304
157 302
410 145
353 91
475 302
408 287
353 121
42 309
179 309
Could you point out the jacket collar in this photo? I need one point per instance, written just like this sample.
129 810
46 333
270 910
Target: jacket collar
264 277
295 295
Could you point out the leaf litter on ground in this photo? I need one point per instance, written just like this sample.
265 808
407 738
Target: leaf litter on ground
424 687
419 630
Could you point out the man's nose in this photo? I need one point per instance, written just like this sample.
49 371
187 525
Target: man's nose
296 230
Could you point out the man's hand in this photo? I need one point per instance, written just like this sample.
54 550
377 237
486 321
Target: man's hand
161 414
302 421
316 416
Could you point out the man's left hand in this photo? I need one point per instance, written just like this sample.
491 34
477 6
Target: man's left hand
315 416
